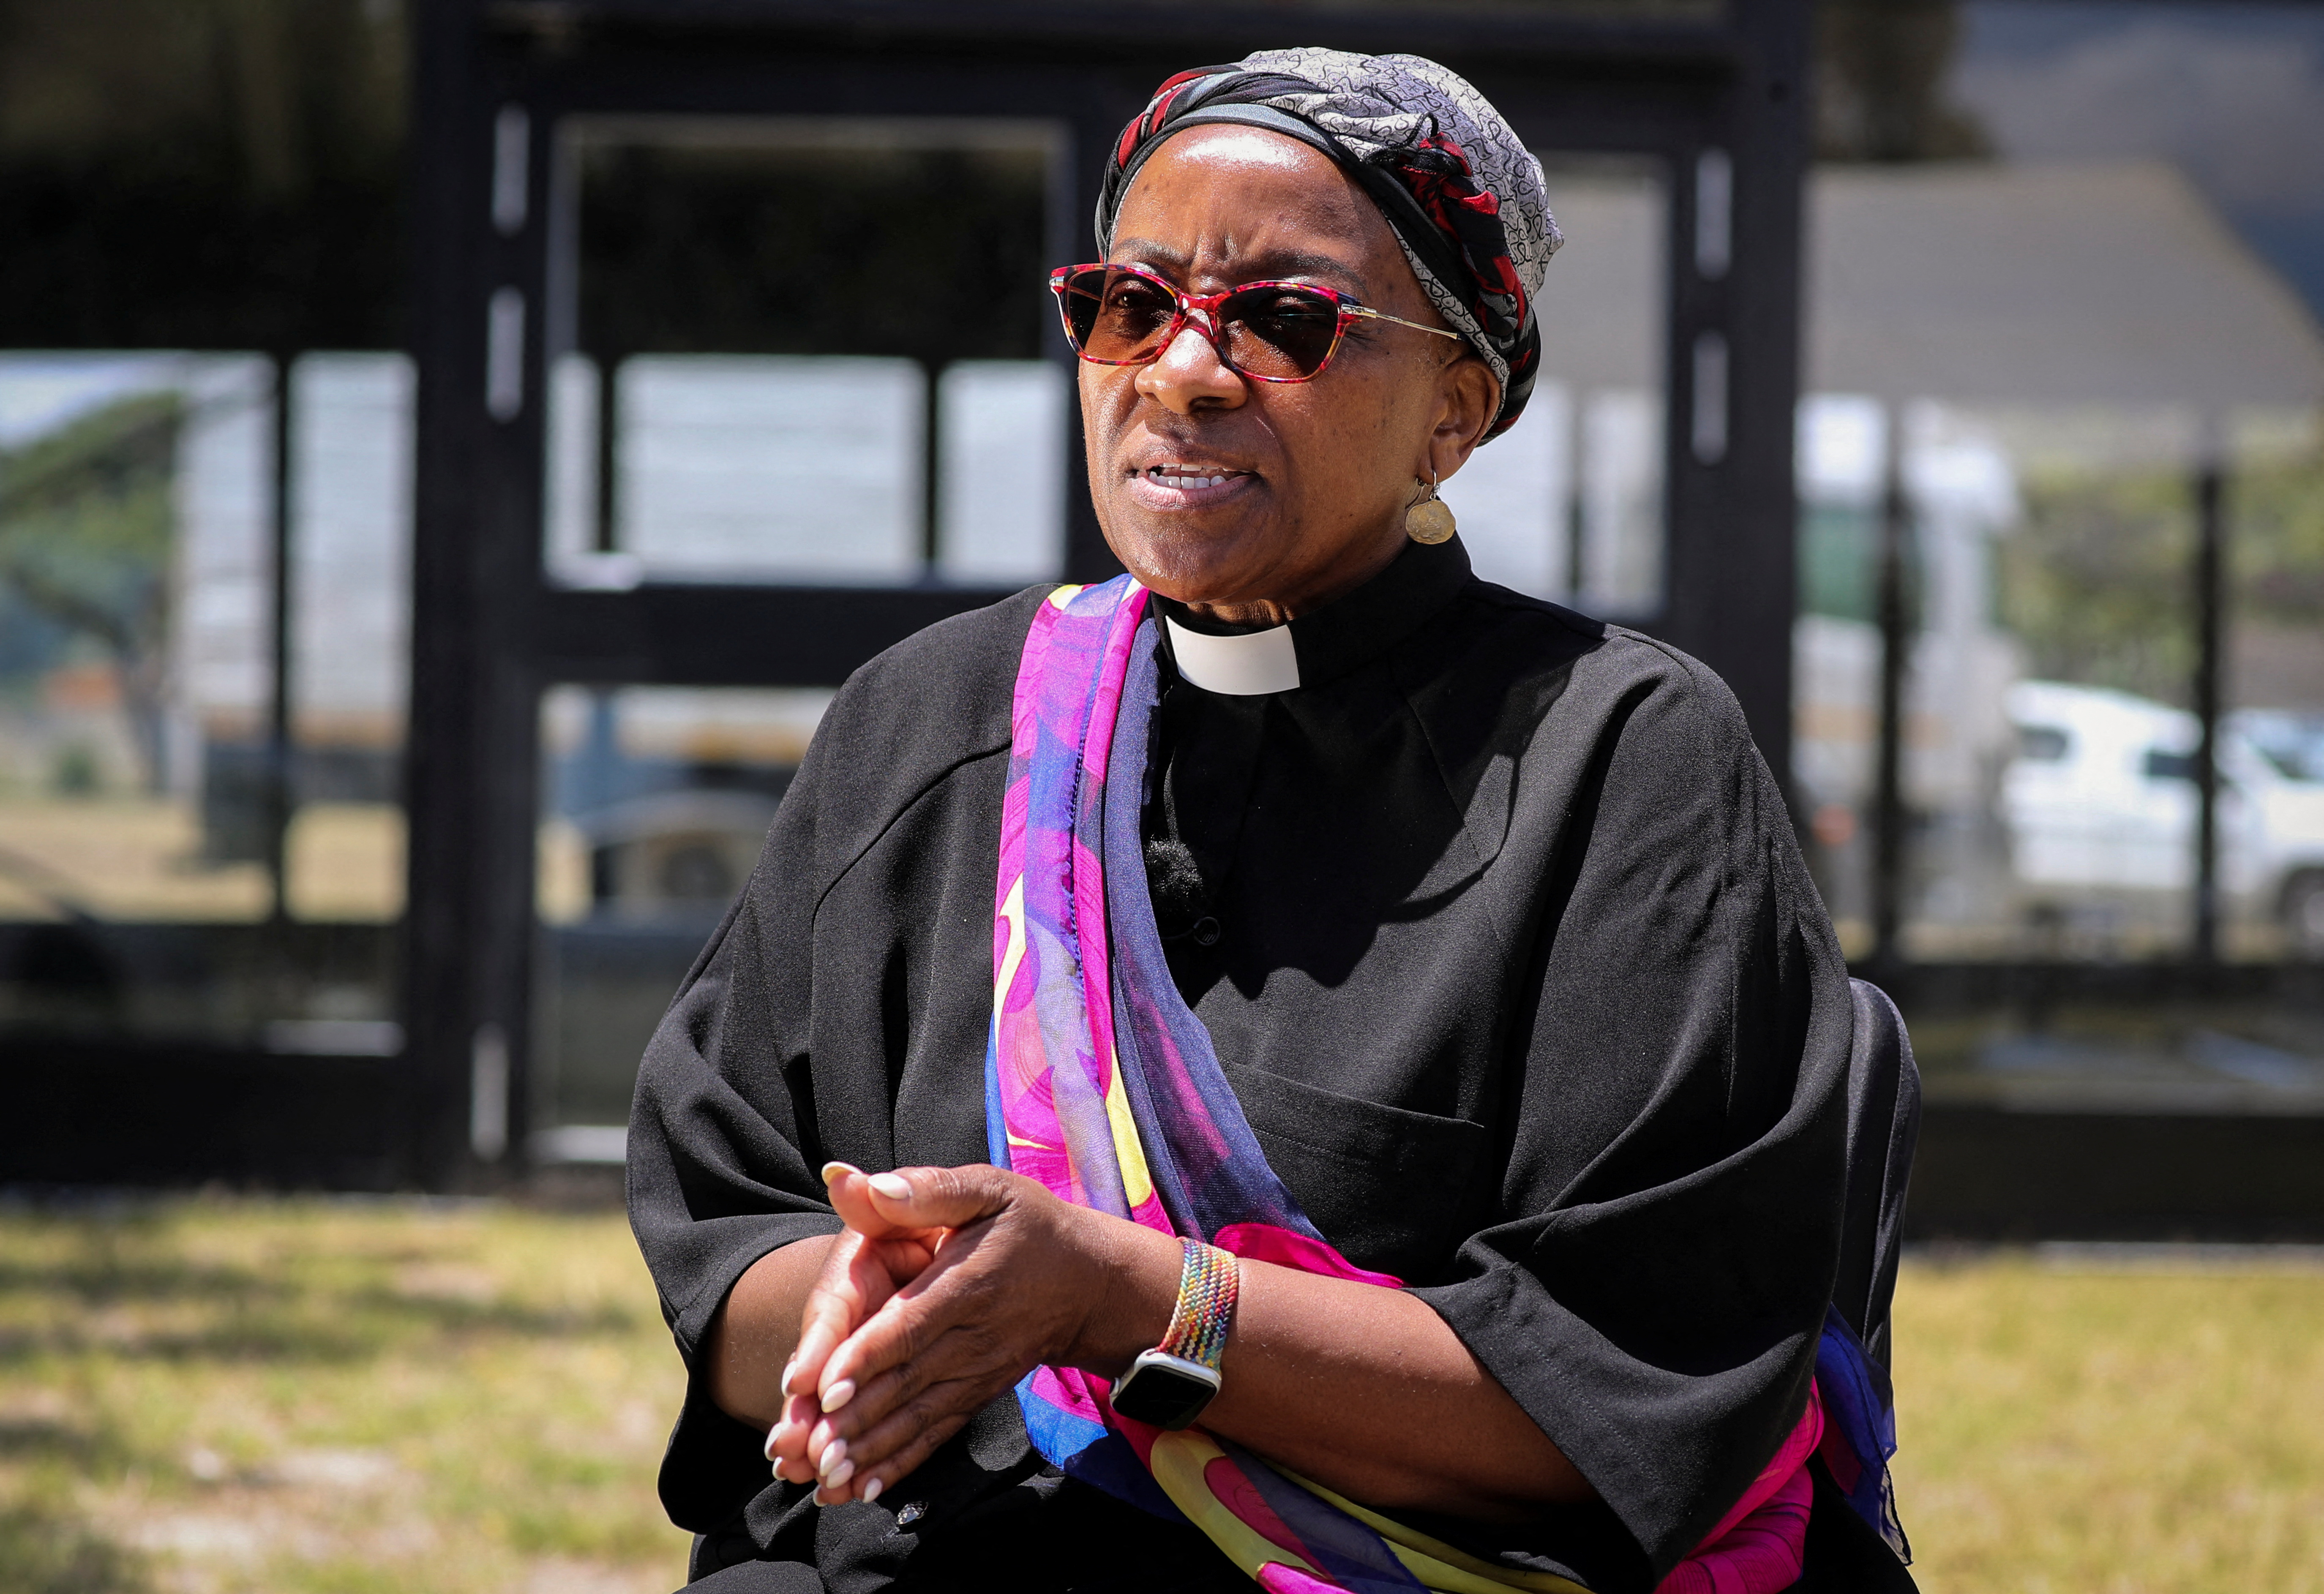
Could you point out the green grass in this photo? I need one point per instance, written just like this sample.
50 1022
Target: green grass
326 1398
332 1397
2088 1428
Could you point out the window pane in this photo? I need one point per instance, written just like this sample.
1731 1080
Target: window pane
820 349
351 584
1590 536
656 803
138 779
771 466
1514 500
1002 519
133 578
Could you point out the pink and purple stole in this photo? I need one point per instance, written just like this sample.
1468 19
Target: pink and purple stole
1102 1085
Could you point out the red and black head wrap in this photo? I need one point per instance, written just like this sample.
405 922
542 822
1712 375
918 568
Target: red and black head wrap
1460 190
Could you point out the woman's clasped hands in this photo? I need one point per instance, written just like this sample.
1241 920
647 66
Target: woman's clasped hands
946 1286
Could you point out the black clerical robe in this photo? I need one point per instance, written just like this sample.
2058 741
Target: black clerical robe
1499 925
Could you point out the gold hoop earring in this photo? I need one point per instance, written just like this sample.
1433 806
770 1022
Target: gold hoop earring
1430 520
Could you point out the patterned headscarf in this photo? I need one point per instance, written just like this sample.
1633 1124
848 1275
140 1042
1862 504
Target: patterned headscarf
1460 190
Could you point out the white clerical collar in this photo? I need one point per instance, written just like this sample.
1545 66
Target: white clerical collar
1249 664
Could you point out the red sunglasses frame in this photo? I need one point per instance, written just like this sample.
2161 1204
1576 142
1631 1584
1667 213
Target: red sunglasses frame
1201 312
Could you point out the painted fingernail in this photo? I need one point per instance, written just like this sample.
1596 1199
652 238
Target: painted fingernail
833 1170
834 1454
838 1395
836 1479
774 1435
894 1186
791 1371
872 1492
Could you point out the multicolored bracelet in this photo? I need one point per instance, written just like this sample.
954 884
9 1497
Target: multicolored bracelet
1172 1385
1210 1282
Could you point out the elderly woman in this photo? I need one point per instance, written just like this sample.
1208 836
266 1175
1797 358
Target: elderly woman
1293 1064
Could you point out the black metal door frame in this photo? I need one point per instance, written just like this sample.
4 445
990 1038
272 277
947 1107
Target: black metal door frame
495 76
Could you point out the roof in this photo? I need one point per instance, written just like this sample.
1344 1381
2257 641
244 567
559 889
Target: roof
2069 284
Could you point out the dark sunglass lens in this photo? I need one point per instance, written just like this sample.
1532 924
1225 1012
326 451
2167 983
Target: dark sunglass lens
1116 316
1280 332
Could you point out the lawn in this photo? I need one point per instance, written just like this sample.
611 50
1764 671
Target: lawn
2088 1423
338 1397
327 1397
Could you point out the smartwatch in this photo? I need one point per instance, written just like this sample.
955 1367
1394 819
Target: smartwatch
1170 1385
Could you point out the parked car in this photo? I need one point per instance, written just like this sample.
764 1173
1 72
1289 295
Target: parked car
680 853
2100 799
2292 742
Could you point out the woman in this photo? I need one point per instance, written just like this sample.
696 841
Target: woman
1352 1068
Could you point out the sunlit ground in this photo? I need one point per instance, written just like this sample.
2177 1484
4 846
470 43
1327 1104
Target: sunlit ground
2115 1424
140 858
350 1397
333 1397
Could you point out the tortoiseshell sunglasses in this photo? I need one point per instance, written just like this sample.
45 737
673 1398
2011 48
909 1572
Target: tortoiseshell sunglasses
1126 315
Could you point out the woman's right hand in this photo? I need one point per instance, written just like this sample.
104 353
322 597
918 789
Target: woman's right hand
871 1260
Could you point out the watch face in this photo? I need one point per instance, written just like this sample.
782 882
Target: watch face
1162 1396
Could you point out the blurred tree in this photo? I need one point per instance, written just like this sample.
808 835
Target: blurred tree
1880 81
86 523
2094 583
201 173
2275 636
2278 510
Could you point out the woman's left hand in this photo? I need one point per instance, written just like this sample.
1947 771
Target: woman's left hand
1018 1278
869 1262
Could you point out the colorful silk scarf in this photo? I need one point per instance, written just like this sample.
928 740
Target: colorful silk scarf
1102 1085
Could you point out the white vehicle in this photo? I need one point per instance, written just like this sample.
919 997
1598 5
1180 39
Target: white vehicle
2100 800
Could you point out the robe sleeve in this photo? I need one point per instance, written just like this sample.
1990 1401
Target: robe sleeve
1652 1283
